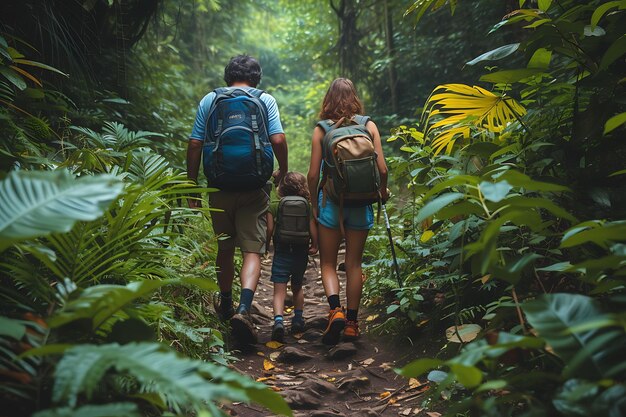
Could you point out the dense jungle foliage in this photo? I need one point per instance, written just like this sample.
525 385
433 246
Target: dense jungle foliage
503 122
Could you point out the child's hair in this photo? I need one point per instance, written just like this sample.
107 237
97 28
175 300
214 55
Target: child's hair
294 184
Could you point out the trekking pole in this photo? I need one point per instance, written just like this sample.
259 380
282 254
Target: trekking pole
393 249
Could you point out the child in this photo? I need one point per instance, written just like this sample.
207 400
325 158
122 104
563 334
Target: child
295 237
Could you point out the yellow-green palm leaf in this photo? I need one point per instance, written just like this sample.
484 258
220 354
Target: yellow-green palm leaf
462 106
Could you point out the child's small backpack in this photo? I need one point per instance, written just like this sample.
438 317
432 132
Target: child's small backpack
237 153
292 222
350 173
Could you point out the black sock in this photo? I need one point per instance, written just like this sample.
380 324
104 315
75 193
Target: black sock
333 301
246 298
352 314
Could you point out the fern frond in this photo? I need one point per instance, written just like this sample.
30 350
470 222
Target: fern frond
184 383
37 203
104 410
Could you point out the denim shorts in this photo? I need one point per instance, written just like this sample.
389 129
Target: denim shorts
290 262
354 218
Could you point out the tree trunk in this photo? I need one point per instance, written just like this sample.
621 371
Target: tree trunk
349 37
391 55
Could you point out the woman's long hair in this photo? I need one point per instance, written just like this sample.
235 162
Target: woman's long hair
341 100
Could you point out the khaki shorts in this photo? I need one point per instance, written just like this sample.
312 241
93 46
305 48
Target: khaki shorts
243 222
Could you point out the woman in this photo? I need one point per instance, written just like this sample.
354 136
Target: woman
342 101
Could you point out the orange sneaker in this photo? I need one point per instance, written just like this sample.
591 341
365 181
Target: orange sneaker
351 332
336 323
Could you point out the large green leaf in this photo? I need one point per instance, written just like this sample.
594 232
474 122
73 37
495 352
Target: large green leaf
614 122
437 204
498 53
510 76
34 204
495 192
595 353
615 51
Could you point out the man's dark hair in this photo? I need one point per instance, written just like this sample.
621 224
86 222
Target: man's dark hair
243 68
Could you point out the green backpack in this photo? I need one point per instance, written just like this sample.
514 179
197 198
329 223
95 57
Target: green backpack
350 173
292 221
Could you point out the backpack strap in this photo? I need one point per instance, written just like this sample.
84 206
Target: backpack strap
326 125
362 120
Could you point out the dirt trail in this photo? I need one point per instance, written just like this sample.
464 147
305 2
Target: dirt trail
351 379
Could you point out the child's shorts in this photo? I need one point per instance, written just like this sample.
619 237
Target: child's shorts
354 218
290 262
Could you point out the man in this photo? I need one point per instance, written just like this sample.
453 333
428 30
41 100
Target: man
243 219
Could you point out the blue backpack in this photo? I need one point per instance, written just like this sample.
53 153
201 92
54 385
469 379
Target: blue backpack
237 153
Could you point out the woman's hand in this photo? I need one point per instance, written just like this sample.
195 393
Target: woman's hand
385 194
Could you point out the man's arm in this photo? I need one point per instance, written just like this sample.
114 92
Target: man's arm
194 156
279 145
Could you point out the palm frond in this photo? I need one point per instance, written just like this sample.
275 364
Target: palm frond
461 107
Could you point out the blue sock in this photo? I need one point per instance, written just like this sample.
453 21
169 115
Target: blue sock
297 315
278 318
246 298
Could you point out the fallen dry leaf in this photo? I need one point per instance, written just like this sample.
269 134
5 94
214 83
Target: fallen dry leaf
414 383
274 355
368 361
405 412
260 353
433 414
333 379
384 394
272 344
386 366
297 335
372 317
392 401
266 378
275 388
466 333
267 365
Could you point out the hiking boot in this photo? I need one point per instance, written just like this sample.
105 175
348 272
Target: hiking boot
297 326
242 328
223 307
278 331
336 323
351 331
